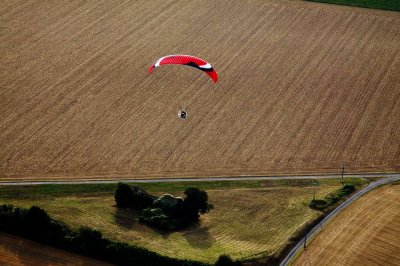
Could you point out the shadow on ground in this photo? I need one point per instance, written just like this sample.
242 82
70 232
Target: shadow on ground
199 236
125 217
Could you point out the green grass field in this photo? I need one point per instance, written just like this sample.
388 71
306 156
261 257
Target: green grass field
251 218
376 4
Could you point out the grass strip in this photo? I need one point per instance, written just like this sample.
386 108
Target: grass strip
393 5
55 190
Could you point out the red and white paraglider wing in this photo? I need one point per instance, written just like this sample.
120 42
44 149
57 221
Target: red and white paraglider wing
187 60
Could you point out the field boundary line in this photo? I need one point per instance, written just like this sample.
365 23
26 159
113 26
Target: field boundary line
194 179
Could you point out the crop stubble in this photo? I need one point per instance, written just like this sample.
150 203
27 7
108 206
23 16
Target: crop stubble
302 88
366 233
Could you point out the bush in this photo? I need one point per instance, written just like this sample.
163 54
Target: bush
348 189
35 222
10 218
157 218
171 205
318 204
225 260
89 241
332 198
57 233
166 212
170 213
141 199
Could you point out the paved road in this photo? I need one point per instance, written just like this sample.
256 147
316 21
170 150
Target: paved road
159 180
316 229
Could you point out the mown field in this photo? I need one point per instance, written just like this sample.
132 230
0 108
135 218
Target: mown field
366 233
250 220
16 251
303 87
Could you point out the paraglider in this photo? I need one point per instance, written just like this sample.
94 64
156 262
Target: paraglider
187 60
182 114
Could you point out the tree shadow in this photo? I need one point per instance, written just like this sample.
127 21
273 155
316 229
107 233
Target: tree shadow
198 236
125 217
164 234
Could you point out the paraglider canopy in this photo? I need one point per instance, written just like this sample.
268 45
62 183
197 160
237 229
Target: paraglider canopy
187 60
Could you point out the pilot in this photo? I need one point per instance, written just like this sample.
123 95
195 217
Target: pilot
182 114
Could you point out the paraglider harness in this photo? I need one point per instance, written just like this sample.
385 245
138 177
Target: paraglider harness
182 113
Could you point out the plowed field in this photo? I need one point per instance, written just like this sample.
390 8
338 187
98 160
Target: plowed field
302 88
366 233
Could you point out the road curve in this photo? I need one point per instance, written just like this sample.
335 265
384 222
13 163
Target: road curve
202 179
317 228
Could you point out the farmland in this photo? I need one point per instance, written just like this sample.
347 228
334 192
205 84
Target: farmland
15 251
379 4
303 87
278 209
368 233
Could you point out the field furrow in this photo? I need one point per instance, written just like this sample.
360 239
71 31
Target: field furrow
303 87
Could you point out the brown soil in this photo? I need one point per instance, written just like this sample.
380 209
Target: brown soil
17 251
302 88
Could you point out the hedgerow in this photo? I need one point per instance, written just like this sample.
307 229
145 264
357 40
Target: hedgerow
34 223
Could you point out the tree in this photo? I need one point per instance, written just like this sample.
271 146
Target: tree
132 197
89 241
123 195
195 203
157 218
36 221
171 205
141 199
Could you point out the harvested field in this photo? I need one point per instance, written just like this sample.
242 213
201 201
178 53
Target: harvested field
303 87
378 4
247 222
366 233
16 251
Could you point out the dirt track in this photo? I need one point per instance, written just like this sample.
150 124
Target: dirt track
302 88
366 233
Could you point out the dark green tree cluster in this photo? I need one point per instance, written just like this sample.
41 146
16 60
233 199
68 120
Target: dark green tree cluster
195 203
132 197
166 212
225 260
332 198
34 223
